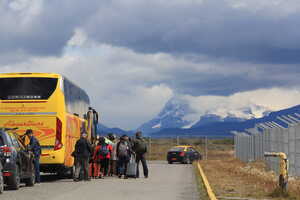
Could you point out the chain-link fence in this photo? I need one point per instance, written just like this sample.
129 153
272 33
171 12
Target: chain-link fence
251 145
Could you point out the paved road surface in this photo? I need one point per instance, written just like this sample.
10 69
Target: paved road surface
166 182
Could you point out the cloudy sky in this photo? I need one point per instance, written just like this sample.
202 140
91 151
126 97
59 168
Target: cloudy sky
133 55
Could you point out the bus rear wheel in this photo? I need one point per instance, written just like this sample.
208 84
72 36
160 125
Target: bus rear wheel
66 172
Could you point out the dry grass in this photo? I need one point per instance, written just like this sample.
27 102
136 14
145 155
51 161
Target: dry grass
201 188
228 176
159 151
159 147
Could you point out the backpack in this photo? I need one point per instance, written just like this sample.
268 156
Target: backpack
140 146
122 149
103 151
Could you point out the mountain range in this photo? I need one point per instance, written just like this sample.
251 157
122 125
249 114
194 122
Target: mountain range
179 114
216 129
178 118
104 130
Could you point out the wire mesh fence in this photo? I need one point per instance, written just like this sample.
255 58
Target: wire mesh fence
251 145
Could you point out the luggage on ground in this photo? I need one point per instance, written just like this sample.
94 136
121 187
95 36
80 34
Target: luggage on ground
131 167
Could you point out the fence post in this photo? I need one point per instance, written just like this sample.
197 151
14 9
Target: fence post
297 151
206 147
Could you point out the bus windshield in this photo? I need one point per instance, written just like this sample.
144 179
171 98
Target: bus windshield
27 88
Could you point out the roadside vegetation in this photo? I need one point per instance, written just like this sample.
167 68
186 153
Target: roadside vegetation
201 188
229 177
158 148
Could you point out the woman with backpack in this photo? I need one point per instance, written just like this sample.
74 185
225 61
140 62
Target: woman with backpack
102 156
124 152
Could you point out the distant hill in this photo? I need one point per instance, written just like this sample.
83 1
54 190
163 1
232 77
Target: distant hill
224 128
104 130
211 118
172 122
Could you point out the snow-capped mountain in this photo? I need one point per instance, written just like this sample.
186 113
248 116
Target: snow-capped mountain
171 116
225 129
235 115
180 113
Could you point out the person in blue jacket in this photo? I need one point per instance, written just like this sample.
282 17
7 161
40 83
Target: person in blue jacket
35 147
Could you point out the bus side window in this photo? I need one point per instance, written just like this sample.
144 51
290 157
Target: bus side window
76 99
1 141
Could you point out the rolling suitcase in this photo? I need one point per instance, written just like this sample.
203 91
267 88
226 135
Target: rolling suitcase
131 167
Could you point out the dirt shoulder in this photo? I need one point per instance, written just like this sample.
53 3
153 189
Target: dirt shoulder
230 177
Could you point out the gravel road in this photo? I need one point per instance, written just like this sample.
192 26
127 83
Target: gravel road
165 182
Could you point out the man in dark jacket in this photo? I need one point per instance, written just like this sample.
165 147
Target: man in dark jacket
35 147
140 149
83 151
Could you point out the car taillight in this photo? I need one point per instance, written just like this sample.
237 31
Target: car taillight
58 143
6 151
181 154
7 173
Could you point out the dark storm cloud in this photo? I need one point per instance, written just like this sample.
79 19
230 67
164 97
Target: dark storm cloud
233 38
214 28
223 86
40 27
226 78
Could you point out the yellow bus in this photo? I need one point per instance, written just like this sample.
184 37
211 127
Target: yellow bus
52 106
